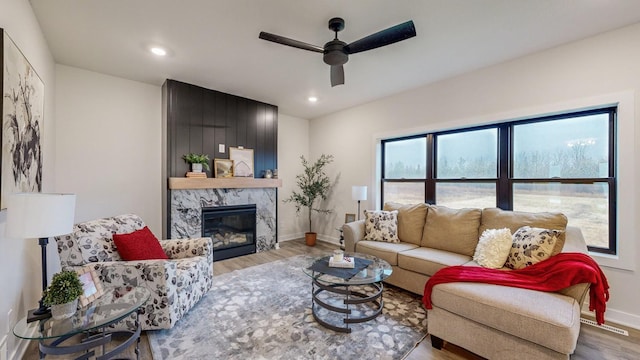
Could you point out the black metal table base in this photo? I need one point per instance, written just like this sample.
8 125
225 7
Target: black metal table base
351 297
92 341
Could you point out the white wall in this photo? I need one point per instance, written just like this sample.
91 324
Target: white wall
108 148
19 258
570 76
293 141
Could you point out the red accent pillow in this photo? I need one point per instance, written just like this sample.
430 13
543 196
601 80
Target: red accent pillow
139 245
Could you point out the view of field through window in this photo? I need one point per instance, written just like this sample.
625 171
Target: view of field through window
568 148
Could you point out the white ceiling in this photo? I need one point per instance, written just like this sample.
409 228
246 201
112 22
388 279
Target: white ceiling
214 43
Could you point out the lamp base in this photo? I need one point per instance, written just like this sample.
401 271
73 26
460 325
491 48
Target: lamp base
38 314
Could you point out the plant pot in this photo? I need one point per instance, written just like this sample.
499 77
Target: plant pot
310 238
196 167
63 311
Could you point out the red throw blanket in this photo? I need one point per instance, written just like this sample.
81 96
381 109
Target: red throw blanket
553 274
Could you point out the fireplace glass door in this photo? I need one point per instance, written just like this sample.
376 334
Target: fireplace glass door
232 229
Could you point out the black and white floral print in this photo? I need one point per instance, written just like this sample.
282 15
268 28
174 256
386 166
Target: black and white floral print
381 226
176 285
530 246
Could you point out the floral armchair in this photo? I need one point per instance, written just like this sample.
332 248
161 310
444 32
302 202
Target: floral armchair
176 285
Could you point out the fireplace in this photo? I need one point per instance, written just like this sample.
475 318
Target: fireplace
232 229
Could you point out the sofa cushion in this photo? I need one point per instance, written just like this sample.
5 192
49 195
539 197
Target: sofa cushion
385 251
549 319
494 218
411 220
530 246
427 261
493 248
381 226
454 230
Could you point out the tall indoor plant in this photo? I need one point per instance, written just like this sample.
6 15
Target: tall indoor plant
313 184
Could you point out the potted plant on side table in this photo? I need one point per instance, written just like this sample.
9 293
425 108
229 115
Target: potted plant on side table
62 294
197 161
313 183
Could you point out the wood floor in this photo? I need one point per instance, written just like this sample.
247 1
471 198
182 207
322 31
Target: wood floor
593 343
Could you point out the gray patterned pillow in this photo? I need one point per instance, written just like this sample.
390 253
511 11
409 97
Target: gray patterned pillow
381 226
531 245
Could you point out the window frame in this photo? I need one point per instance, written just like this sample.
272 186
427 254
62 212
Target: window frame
505 181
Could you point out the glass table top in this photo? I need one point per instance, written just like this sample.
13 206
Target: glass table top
115 304
377 271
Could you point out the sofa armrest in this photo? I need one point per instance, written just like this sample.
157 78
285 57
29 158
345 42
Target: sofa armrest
352 232
574 242
152 274
184 248
161 311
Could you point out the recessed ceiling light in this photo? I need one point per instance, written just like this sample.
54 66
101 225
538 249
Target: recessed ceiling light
312 99
159 51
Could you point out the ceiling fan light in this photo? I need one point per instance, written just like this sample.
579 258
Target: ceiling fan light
158 51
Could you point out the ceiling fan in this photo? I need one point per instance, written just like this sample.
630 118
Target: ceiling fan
336 52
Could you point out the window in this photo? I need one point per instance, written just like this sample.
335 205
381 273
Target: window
563 163
467 168
405 168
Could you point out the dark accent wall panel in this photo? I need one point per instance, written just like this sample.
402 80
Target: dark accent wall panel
198 120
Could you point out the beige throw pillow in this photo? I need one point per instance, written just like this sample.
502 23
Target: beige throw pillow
531 245
495 218
493 248
381 226
411 220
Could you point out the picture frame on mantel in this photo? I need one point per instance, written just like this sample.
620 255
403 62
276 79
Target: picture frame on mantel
242 161
22 107
223 168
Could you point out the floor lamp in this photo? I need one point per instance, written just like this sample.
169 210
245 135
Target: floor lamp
38 215
359 193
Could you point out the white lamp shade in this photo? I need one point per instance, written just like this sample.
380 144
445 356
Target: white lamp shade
38 215
359 192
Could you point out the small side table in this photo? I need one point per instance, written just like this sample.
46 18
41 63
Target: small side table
92 321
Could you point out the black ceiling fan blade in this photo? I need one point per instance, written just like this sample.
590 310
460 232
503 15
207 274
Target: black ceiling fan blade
337 75
289 42
381 38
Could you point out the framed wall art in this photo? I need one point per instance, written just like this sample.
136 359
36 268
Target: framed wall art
223 168
242 161
22 104
349 218
91 285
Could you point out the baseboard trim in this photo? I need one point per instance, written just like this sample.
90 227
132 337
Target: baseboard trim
290 237
615 316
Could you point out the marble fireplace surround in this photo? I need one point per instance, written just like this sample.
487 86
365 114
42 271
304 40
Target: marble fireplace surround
189 196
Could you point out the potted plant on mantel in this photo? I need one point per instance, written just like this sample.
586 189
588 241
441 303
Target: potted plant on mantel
313 183
62 295
197 161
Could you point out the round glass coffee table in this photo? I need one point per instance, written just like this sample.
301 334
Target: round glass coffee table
341 297
92 321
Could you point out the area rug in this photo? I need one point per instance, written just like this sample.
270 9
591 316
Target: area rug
263 312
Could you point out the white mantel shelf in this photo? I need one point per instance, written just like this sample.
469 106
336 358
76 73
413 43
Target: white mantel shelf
183 183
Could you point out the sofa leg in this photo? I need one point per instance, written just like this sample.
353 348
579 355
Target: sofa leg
436 342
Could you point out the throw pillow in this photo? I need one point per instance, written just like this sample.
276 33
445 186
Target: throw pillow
493 248
531 245
381 226
139 245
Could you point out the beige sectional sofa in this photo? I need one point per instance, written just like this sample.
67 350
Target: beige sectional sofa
493 321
